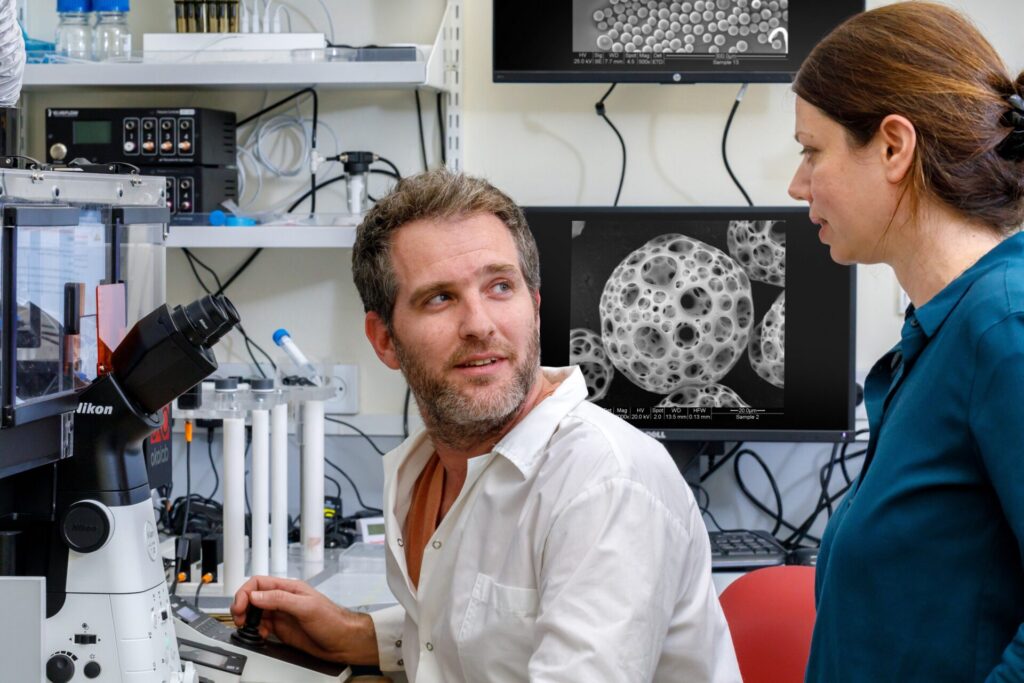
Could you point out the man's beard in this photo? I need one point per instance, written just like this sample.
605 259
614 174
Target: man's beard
461 421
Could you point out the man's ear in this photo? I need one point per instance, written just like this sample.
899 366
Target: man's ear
899 140
381 341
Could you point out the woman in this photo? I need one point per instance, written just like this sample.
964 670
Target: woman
913 140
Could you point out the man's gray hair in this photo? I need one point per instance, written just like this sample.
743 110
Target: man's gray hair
434 195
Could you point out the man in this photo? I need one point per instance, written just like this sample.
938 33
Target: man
530 534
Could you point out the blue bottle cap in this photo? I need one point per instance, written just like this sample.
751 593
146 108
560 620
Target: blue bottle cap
74 6
217 217
279 335
110 5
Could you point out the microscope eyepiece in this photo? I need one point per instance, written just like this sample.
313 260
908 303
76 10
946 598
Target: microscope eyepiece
206 320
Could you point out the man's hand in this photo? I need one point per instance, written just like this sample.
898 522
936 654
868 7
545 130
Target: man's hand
302 617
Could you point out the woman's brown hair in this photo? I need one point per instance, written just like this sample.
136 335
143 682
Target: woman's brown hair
930 64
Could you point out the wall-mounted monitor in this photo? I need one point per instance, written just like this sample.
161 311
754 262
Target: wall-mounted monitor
701 324
656 41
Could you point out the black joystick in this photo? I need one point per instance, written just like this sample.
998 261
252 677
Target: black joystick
249 634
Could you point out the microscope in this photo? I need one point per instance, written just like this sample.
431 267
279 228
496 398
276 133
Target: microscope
107 606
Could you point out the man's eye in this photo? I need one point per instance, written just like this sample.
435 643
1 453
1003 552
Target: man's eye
502 287
438 299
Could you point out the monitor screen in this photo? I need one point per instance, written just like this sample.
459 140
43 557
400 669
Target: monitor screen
657 41
701 324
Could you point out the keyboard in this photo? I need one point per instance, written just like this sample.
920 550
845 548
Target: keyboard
745 549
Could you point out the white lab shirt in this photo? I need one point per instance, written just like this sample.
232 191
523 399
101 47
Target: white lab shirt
574 552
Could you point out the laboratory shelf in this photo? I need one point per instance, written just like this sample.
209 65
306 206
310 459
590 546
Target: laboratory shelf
330 75
267 235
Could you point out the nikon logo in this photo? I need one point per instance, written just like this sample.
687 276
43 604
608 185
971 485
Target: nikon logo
86 408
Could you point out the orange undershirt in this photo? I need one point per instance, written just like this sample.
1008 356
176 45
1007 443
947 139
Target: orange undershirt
424 515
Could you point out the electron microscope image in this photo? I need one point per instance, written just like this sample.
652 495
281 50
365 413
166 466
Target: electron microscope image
767 348
676 312
695 28
586 351
710 396
679 314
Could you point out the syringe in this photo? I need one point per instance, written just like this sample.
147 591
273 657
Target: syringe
284 339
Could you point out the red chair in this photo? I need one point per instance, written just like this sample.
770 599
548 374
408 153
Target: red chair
771 616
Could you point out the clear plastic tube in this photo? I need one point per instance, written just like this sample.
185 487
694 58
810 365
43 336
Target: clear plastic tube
284 339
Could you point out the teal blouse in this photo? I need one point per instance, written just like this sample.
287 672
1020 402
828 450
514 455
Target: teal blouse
920 574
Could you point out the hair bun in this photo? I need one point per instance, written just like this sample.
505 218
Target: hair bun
1012 146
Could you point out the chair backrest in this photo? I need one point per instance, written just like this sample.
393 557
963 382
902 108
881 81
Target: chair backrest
771 617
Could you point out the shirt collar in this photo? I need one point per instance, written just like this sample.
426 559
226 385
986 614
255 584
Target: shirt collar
931 315
523 444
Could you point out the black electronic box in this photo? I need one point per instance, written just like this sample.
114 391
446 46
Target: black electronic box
142 137
195 190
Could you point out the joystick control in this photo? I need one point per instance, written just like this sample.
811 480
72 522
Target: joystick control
249 634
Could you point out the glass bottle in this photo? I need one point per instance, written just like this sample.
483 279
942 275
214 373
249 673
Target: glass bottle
74 36
111 38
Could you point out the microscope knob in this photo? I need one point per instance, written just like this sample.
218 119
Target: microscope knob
60 669
87 526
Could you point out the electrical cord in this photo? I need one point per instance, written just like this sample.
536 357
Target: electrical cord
357 430
440 128
725 137
777 514
213 466
188 501
355 488
419 125
194 260
335 179
312 137
599 108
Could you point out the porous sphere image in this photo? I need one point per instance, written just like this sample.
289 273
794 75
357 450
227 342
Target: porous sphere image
767 350
676 312
760 249
731 27
587 351
711 396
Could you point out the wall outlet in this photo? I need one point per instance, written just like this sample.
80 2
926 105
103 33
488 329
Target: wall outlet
346 400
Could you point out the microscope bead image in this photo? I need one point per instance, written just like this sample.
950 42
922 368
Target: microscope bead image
760 249
767 350
710 396
587 351
676 312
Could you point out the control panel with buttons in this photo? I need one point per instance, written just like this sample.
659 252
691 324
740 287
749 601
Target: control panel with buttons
160 137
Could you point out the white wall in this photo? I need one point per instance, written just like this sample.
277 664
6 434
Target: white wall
544 145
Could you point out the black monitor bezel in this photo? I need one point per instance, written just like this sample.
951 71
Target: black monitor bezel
733 435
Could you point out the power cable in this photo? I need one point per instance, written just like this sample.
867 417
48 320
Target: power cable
357 430
599 108
419 124
725 137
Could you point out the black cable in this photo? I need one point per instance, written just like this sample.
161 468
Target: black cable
716 465
337 485
777 514
599 108
312 135
725 136
355 429
198 588
355 488
213 466
335 179
188 505
239 270
398 174
419 124
440 128
193 260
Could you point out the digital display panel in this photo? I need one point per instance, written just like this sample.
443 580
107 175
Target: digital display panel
91 132
701 324
730 41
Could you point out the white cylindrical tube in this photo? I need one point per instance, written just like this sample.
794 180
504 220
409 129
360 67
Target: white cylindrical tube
357 193
313 481
234 504
279 490
259 556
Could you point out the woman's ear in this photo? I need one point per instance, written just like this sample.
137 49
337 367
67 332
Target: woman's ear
899 140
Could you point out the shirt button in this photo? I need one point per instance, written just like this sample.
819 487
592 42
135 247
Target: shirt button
429 647
914 323
436 544
401 543
398 643
401 662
